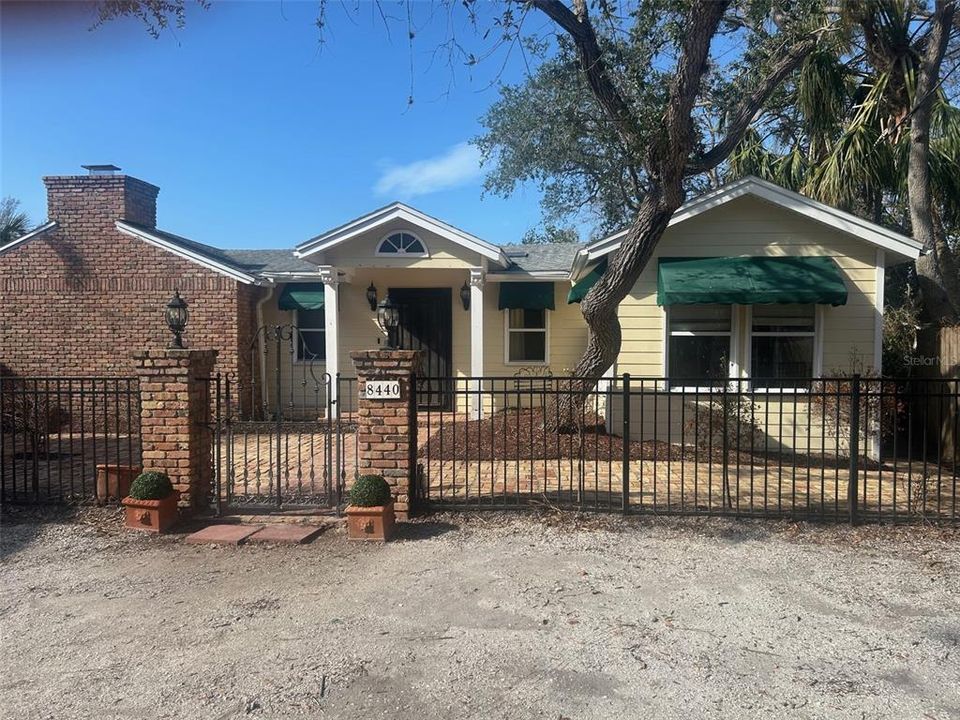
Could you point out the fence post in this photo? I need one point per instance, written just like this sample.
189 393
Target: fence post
387 422
174 408
626 442
852 485
218 457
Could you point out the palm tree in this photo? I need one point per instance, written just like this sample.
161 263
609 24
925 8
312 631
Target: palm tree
13 221
842 133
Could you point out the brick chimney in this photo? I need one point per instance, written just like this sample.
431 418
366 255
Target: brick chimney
100 198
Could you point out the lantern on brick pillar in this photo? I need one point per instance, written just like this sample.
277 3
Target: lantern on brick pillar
176 315
388 317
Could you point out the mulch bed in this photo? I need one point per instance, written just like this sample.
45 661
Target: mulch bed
522 435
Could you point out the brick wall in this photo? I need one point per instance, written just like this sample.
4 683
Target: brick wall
81 299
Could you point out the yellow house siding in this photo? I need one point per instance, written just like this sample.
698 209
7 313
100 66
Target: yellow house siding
567 336
361 252
748 226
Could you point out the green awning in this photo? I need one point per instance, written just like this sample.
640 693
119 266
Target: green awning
301 296
750 281
579 291
526 296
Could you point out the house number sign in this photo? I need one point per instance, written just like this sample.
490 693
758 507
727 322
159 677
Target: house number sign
382 390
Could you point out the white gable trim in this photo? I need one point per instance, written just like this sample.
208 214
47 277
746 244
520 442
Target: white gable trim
29 236
865 230
399 211
194 257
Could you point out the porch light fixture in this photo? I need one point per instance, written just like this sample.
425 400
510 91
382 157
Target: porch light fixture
465 296
176 316
388 317
372 296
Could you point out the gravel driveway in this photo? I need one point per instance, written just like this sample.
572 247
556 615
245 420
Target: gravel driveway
484 616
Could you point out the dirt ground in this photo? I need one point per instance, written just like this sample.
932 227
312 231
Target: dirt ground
483 616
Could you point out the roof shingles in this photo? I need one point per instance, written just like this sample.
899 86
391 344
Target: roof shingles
267 262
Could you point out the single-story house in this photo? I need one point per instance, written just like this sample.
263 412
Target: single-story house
750 281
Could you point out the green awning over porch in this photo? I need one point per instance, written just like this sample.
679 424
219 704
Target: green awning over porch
301 296
750 281
582 287
526 296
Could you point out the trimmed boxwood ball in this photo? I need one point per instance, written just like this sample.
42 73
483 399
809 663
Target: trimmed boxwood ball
370 491
151 485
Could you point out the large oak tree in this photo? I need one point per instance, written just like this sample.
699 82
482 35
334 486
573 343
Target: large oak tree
664 89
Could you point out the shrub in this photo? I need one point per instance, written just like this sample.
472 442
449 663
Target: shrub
370 491
725 417
151 485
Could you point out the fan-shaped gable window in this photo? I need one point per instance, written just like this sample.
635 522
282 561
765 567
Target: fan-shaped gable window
402 243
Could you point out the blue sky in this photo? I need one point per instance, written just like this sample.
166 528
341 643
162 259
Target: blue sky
255 135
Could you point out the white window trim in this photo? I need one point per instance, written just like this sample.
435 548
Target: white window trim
381 241
817 335
303 361
733 364
506 341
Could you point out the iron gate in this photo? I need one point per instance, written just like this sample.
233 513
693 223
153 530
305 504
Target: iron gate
286 437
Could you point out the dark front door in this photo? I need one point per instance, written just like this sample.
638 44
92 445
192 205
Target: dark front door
426 324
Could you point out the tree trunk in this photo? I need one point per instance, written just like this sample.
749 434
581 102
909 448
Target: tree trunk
601 305
668 160
939 271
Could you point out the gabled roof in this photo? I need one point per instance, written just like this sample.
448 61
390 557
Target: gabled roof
907 248
36 232
205 255
400 211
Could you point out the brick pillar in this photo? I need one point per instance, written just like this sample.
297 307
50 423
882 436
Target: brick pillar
174 404
387 429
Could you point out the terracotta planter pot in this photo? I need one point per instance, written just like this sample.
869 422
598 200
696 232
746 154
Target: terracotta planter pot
113 481
370 523
151 515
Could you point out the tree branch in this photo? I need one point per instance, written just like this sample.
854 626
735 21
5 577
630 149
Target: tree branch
580 30
751 105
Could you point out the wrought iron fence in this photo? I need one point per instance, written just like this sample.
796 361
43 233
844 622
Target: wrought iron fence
286 446
67 439
837 449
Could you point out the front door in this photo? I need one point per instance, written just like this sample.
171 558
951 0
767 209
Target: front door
426 321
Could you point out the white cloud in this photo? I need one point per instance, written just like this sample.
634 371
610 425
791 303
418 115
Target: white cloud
457 166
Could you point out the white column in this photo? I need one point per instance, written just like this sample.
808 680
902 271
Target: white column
331 305
878 300
603 387
476 339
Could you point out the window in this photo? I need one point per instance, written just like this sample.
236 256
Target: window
526 336
312 338
401 243
782 345
699 342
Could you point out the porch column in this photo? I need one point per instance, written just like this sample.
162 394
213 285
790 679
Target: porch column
331 314
476 340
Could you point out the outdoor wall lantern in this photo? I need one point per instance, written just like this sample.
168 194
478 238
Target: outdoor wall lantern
388 316
176 315
372 296
465 296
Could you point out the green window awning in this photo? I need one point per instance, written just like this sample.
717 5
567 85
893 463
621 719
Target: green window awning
750 281
580 289
301 296
526 296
